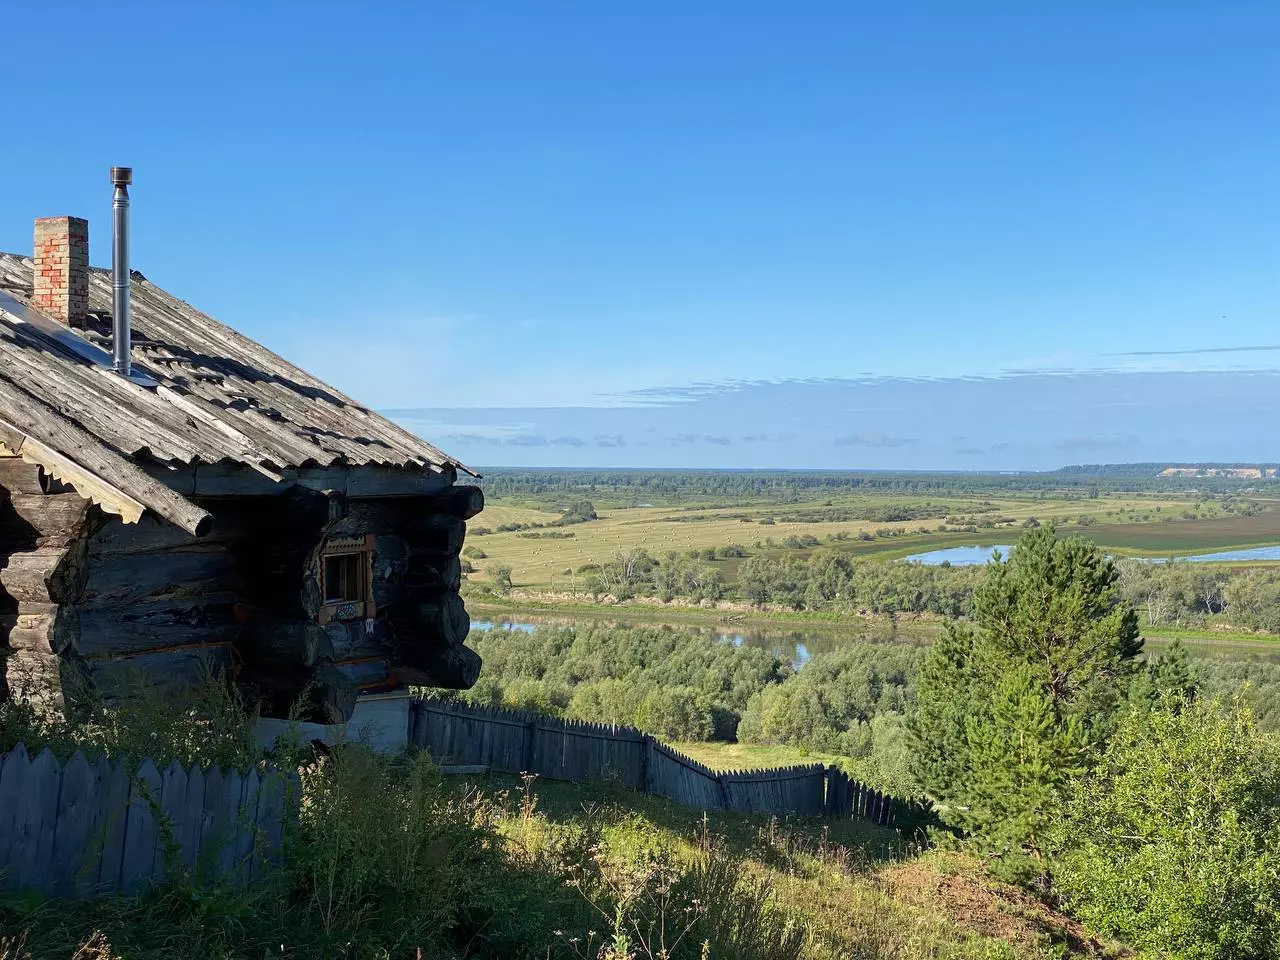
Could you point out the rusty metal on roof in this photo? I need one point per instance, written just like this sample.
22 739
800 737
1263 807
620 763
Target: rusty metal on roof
204 393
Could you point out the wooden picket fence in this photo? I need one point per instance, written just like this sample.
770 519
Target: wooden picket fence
89 827
523 742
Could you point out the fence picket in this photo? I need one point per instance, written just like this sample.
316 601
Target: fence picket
228 823
191 820
114 820
13 776
72 822
140 829
246 826
34 822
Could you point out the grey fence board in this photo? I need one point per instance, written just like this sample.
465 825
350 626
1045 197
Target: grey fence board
515 742
12 775
140 829
35 821
190 820
114 820
247 823
77 807
847 797
683 780
228 823
87 828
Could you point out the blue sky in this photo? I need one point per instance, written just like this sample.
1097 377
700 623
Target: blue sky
701 234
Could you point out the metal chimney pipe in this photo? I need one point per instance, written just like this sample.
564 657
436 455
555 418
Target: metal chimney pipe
121 177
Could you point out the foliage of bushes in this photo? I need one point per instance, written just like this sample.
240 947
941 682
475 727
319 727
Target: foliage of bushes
1172 841
679 684
685 685
829 580
1012 706
632 573
852 702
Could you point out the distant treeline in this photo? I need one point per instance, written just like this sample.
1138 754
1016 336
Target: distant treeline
787 486
1178 593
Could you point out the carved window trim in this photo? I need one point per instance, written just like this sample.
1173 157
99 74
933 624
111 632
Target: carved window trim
349 607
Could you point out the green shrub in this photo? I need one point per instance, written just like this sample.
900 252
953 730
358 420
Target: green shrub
1173 842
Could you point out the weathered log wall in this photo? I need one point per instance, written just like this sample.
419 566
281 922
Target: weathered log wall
421 623
135 605
42 538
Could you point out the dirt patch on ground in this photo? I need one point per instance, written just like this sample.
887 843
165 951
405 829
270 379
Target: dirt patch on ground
987 906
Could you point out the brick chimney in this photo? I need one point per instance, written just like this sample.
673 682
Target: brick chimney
61 289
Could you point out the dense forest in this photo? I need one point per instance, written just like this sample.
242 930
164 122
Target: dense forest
787 486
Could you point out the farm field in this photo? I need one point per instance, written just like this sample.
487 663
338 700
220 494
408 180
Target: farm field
1190 536
549 559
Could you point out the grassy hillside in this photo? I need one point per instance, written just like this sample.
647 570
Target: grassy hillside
560 871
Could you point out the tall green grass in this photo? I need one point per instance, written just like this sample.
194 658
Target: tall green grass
389 859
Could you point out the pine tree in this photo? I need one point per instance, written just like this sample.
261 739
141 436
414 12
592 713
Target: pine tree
1169 678
1010 709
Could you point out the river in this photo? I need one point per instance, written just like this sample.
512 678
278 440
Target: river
799 644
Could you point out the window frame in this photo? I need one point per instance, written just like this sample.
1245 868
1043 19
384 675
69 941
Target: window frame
344 610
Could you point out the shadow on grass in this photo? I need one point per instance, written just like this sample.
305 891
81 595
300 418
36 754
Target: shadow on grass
757 836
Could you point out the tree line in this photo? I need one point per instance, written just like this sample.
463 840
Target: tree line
789 486
1177 593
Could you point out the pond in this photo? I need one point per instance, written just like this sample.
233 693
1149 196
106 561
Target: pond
971 556
1251 553
958 556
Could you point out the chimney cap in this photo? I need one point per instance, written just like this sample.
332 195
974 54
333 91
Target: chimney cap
122 176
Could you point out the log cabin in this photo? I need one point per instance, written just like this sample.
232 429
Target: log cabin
179 504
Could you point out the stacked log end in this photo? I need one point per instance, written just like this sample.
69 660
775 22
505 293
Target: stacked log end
292 662
432 624
42 546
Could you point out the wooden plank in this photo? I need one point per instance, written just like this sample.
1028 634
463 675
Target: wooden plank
270 822
139 854
75 813
86 879
363 481
135 627
44 633
169 822
173 575
68 452
192 820
13 776
42 520
86 483
18 476
164 672
227 825
246 827
114 826
35 821
28 576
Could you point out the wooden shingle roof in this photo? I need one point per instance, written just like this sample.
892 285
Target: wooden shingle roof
215 397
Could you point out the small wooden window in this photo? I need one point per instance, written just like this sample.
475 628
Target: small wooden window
346 571
344 577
